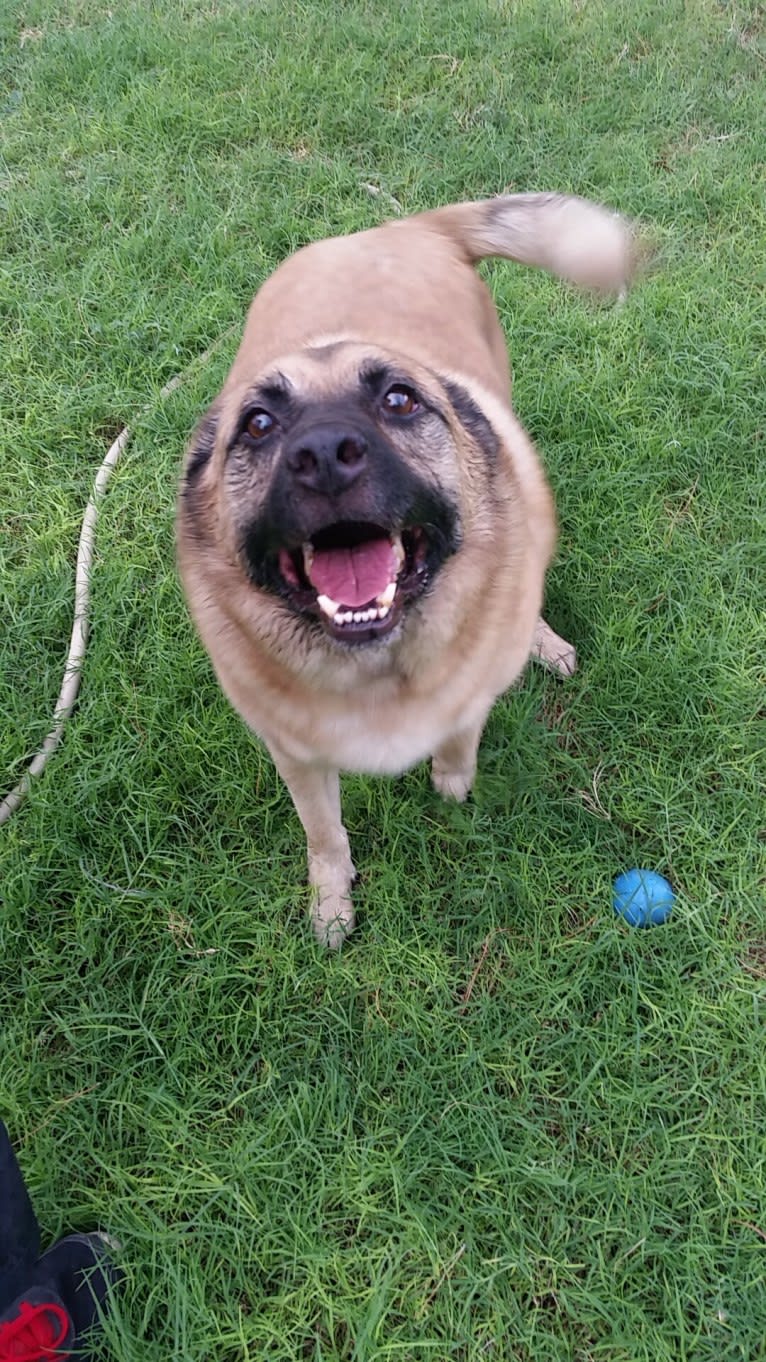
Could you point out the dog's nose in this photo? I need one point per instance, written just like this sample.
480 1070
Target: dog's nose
327 458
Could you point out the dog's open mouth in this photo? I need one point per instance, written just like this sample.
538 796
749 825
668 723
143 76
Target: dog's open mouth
357 577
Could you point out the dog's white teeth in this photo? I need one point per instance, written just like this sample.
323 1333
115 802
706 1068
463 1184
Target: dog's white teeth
398 547
342 617
386 598
308 558
329 606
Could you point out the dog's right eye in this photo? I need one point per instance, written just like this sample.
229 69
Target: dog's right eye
259 424
400 400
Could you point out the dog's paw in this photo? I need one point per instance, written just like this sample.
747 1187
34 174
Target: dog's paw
553 652
451 784
331 877
332 918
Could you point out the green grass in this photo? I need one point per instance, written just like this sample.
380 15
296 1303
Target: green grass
499 1125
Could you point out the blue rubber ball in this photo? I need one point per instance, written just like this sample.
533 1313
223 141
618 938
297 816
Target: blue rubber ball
643 898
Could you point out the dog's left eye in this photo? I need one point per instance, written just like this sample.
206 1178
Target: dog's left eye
259 424
400 400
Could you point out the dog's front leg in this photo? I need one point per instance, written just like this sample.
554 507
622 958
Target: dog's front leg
316 795
454 763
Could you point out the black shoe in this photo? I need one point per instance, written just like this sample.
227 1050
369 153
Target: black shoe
46 1303
36 1326
78 1270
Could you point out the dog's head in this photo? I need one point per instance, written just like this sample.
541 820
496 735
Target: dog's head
343 479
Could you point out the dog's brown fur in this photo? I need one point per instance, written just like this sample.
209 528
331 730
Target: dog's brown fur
403 297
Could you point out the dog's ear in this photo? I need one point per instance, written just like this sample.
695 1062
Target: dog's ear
473 420
200 449
196 499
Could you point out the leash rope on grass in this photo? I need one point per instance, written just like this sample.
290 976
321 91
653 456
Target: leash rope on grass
79 639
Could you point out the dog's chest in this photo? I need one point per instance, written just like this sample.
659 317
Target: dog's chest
377 736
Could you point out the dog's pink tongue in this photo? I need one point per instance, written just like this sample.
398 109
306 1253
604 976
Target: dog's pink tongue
354 576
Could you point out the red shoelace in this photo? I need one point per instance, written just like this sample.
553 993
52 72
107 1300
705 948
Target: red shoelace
36 1333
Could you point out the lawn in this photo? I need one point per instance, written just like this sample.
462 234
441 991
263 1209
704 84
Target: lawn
500 1123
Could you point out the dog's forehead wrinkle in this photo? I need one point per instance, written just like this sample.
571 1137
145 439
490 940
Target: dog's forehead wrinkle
325 351
317 391
336 361
306 377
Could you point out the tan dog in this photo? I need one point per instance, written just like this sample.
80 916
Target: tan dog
363 525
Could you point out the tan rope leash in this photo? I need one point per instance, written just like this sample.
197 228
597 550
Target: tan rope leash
79 639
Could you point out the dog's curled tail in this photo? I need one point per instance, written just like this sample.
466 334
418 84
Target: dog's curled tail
573 238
